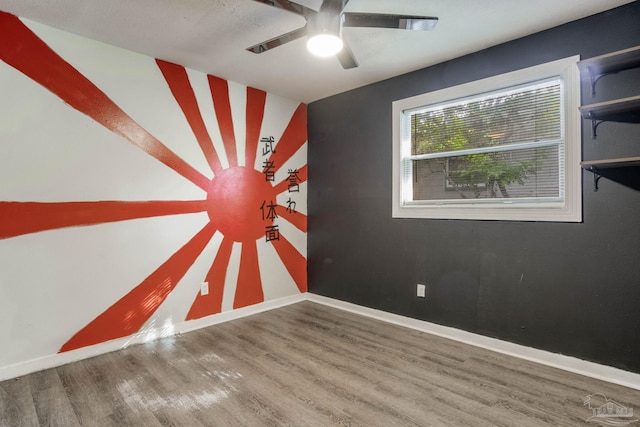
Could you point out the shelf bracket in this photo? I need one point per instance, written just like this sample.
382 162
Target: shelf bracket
594 126
594 77
596 177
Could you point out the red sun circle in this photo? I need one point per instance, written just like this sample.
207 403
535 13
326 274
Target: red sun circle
235 199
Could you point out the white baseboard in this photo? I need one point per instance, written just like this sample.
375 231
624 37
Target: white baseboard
567 363
59 359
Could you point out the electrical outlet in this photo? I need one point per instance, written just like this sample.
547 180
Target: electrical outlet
204 288
421 291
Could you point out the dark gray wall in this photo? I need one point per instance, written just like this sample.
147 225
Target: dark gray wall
572 289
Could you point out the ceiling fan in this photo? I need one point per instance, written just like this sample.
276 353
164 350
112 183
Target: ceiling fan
324 27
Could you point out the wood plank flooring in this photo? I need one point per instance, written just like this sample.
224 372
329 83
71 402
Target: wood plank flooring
303 365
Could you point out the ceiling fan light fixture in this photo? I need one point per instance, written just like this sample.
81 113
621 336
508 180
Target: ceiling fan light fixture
324 30
324 45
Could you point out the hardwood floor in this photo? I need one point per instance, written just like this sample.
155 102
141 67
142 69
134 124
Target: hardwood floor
303 365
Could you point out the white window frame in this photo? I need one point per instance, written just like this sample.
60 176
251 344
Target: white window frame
567 209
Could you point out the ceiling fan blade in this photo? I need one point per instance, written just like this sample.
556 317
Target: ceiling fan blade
346 57
291 6
377 20
278 41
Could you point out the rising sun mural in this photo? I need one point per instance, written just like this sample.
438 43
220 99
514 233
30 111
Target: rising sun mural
243 202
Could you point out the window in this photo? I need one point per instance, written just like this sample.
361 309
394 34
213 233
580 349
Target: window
502 148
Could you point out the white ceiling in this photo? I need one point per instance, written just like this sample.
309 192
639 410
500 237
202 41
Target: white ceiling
211 35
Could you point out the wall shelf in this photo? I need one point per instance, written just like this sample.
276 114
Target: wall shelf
597 67
616 110
611 163
594 166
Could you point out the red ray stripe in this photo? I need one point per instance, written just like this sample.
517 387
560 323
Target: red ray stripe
249 289
205 305
18 218
296 218
128 315
293 137
295 263
23 50
178 81
222 106
284 185
256 100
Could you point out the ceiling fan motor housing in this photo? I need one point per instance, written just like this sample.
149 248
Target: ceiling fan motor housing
326 22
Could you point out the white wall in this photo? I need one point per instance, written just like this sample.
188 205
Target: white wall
57 278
